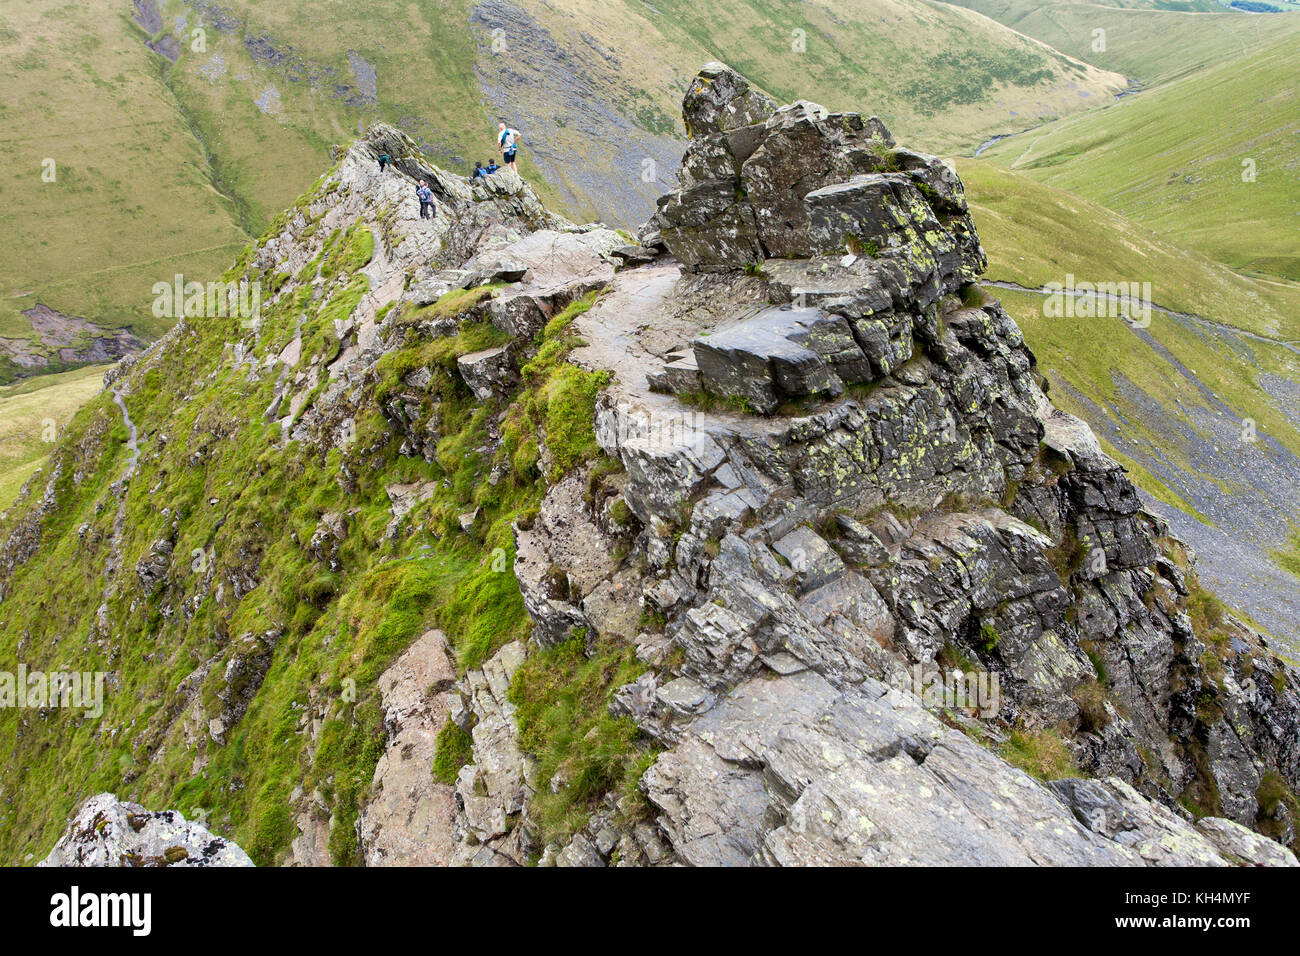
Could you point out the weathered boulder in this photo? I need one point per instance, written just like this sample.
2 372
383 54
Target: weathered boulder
760 182
781 352
488 373
719 100
106 831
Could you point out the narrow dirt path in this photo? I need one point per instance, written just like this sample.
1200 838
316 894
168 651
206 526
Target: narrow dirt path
1172 313
133 437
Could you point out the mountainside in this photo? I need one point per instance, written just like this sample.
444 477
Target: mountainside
106 190
1150 43
495 539
209 116
1208 161
1200 404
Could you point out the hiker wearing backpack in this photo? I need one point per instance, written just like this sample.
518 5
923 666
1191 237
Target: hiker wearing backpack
384 160
425 195
479 172
508 144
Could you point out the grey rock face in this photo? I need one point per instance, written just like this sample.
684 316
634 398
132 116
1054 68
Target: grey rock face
153 568
720 100
1160 837
944 511
789 771
488 373
409 818
108 832
780 352
763 182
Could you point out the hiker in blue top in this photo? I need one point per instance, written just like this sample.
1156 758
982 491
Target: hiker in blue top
479 171
425 195
491 167
508 144
384 160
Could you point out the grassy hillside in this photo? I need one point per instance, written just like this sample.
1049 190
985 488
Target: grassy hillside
31 412
937 74
1152 44
244 582
1175 401
1036 234
1208 161
132 200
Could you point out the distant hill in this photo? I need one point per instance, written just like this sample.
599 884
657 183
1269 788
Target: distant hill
1151 43
1208 161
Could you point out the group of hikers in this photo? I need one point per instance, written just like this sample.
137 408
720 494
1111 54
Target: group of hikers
507 145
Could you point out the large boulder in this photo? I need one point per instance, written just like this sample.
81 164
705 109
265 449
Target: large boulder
720 99
763 182
106 831
781 352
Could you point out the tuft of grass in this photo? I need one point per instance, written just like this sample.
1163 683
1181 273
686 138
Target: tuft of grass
1091 698
570 411
454 749
1042 754
563 695
1277 804
1288 557
453 303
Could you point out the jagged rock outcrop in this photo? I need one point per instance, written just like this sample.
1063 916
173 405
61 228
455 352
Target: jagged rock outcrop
108 832
943 510
757 479
872 480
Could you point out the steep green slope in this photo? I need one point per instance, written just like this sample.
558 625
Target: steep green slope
192 477
31 413
1153 45
1201 410
104 189
1207 161
1035 235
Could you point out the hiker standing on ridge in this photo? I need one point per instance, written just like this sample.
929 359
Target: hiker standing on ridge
425 195
508 144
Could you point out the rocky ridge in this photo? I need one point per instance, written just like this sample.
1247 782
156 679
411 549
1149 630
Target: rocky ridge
916 498
823 463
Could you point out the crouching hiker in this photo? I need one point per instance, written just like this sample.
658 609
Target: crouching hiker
425 195
384 160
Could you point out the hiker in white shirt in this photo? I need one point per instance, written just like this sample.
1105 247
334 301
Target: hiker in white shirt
508 144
